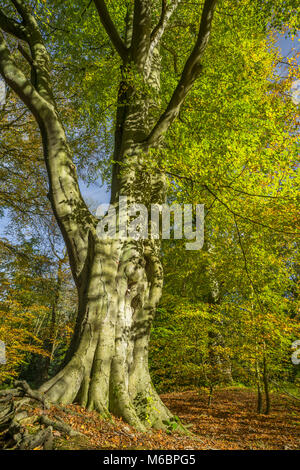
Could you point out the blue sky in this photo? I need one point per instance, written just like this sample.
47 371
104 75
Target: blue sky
99 195
287 44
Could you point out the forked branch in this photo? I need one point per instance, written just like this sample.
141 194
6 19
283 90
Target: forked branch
190 73
165 16
110 28
10 26
37 95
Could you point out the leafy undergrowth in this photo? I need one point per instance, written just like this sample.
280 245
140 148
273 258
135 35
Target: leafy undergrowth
230 423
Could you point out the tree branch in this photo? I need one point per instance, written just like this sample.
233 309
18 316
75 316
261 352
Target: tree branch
159 30
25 54
28 58
255 290
39 61
15 78
190 73
64 192
141 33
165 16
247 219
161 19
22 10
10 26
110 28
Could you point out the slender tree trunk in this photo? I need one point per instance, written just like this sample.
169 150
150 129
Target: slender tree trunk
210 395
50 341
259 399
259 394
266 385
219 360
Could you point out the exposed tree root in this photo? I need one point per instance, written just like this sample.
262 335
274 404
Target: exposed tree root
15 407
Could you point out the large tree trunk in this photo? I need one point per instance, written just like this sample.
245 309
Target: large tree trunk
119 281
108 366
119 289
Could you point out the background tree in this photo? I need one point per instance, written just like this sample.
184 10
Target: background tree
37 297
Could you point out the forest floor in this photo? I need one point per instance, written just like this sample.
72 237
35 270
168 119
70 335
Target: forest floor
230 423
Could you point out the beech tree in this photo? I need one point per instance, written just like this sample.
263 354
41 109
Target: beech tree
119 281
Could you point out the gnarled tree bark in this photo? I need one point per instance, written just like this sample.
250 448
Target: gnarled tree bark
119 281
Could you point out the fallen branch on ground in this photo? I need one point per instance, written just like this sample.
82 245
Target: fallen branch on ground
15 415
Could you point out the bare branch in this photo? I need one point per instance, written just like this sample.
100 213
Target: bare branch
190 73
242 217
110 28
158 31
